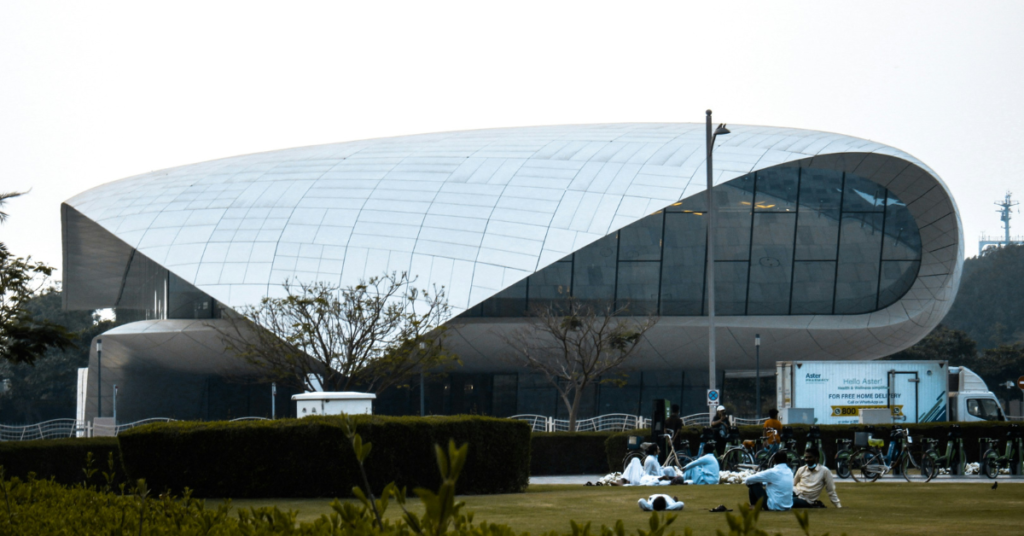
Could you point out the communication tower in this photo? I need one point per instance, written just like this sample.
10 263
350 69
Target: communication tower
1005 212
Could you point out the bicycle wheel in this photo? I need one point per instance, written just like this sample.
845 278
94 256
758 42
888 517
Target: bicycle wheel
911 470
732 459
989 465
629 457
843 464
873 467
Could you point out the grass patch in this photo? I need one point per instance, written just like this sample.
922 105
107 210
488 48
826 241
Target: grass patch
877 509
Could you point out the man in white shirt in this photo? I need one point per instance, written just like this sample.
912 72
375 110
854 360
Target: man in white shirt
660 502
810 480
777 488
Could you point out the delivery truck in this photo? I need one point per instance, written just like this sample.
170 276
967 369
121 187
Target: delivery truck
912 391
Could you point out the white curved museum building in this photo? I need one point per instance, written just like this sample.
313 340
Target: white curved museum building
828 247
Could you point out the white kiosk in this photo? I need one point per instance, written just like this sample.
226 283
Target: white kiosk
333 403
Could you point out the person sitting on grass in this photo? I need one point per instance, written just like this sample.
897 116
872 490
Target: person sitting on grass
649 474
653 467
772 487
660 502
810 480
703 470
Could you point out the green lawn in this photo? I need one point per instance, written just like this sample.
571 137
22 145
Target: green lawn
871 509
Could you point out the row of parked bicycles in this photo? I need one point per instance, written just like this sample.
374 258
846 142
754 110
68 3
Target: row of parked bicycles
865 458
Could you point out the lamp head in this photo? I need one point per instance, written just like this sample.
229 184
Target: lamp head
99 345
757 340
721 130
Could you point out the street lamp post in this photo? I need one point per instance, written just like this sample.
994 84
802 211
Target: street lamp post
99 380
757 376
709 270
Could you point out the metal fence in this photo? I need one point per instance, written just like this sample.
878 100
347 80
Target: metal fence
616 422
613 422
67 428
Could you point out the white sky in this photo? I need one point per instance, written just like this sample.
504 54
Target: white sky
92 92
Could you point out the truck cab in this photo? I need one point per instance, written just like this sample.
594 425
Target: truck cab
969 398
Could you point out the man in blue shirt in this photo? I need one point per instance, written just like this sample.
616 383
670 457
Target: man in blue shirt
703 470
773 486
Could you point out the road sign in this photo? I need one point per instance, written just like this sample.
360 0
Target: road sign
1020 383
714 397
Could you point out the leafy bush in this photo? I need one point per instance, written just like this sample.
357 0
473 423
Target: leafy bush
311 457
615 445
61 459
568 453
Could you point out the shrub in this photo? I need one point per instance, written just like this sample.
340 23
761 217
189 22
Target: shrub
61 459
568 453
311 457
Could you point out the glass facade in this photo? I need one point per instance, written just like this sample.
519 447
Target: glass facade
790 241
151 292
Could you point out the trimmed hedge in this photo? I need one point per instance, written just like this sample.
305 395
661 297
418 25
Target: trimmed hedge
60 459
615 446
311 457
568 453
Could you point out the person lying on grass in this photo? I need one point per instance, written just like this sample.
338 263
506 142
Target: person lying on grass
810 480
660 502
772 486
651 474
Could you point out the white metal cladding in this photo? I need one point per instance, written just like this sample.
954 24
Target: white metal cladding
473 211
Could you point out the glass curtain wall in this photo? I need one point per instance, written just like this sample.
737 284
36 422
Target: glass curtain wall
791 241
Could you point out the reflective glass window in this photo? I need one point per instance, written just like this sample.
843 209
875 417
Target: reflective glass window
771 263
594 272
638 287
733 201
817 235
730 288
813 283
550 285
897 278
862 195
641 241
902 238
777 189
682 287
860 243
509 302
186 301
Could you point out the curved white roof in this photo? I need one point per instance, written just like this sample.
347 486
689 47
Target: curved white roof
474 211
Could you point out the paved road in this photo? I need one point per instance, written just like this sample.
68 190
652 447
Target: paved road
583 479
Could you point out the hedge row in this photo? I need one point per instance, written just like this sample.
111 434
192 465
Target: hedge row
567 453
615 446
311 457
60 459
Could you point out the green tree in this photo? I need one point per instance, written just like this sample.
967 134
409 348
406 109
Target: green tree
370 336
46 388
989 306
951 345
23 338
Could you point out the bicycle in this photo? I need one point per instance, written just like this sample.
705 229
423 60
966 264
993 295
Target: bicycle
955 459
814 443
634 449
991 462
753 458
787 450
674 459
898 457
736 454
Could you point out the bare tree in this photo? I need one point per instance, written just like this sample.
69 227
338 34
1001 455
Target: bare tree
574 344
370 336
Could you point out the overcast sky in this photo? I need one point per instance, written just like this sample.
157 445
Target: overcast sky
92 92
